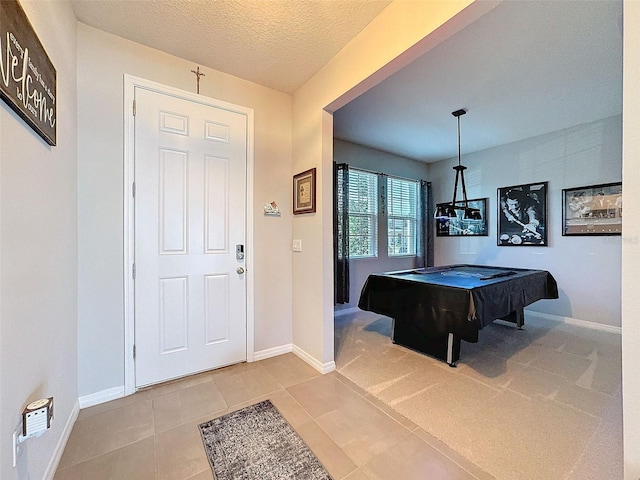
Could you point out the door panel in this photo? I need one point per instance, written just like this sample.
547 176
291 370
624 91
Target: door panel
173 314
216 201
190 212
216 308
173 202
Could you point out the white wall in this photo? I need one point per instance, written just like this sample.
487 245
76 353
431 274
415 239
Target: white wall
102 61
587 269
631 242
359 156
38 270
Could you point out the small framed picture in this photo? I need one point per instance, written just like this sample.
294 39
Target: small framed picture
522 215
592 210
304 192
463 227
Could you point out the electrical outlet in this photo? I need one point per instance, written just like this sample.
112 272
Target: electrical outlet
17 446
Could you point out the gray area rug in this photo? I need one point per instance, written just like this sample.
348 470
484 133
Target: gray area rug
256 442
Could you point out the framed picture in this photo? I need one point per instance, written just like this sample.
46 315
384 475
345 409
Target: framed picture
463 227
592 210
522 215
304 192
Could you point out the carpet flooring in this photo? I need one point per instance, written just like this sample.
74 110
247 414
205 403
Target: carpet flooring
539 403
256 442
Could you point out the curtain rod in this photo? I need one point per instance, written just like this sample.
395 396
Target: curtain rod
386 174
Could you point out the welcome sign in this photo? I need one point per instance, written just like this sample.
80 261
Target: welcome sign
28 78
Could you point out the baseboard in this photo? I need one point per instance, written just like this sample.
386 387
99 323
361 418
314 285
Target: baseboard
50 472
345 311
272 352
574 321
321 367
101 397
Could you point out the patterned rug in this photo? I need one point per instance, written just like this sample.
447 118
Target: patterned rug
258 443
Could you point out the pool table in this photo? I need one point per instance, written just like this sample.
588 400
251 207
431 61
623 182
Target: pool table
434 308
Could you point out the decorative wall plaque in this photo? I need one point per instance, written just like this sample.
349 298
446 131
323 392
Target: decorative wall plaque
27 76
304 192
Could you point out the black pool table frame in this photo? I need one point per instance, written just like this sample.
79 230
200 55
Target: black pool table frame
434 308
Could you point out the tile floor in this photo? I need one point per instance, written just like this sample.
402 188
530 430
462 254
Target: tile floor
154 433
540 403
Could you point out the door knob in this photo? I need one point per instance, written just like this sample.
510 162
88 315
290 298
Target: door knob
240 270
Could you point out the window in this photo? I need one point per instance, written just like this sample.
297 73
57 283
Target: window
402 207
399 200
363 214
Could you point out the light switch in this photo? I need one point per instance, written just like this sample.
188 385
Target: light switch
297 245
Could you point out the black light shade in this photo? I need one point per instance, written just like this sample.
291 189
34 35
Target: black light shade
441 212
446 210
472 214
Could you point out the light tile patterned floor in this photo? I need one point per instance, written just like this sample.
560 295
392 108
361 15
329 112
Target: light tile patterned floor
154 433
540 403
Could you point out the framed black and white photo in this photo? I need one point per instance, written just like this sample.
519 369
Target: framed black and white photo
463 227
304 192
522 215
592 210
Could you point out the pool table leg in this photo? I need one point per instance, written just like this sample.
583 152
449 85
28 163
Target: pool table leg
453 350
520 318
517 317
445 348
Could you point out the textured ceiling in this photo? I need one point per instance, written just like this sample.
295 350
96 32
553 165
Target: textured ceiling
275 43
523 69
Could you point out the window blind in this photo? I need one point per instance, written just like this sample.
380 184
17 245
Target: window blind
363 214
402 208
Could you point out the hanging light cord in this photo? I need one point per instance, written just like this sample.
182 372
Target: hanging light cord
458 116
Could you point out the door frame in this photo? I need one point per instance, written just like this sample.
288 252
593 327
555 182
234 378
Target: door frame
130 84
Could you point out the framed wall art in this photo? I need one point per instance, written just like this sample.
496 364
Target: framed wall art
463 227
304 192
522 215
592 210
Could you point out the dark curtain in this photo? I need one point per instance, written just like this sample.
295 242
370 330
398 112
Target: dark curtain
341 232
425 226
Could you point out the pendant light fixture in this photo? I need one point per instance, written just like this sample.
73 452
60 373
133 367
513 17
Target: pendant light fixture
448 210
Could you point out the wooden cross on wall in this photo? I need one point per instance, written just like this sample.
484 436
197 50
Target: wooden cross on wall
198 74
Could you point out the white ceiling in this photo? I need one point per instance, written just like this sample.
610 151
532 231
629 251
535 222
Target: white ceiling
276 43
524 69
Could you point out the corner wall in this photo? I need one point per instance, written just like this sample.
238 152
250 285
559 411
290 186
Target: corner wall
631 241
587 268
38 253
359 156
400 33
103 59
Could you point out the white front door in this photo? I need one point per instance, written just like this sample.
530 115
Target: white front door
190 216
